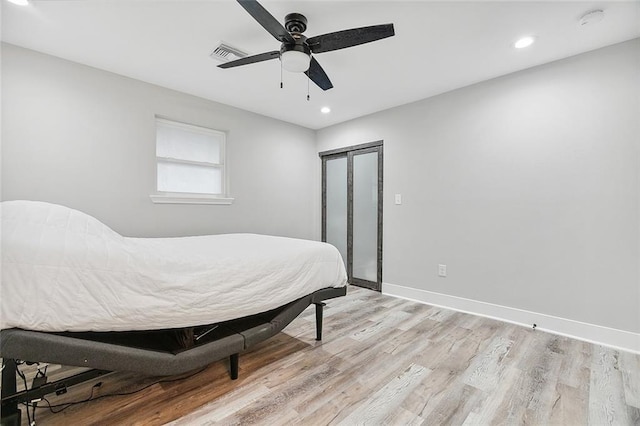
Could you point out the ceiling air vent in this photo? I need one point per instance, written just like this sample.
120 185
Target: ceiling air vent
225 53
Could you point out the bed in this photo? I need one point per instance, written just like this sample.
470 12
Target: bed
75 292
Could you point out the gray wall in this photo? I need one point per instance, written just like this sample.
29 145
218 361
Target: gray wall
526 186
85 138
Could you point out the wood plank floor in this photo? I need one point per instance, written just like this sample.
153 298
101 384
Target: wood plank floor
384 361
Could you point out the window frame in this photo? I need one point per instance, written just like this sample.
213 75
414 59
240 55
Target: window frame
165 197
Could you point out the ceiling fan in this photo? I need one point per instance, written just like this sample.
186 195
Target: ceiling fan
296 50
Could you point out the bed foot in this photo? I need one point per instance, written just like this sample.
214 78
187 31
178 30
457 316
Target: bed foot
233 362
319 311
11 415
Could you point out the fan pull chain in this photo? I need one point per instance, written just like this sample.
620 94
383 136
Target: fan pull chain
281 85
308 98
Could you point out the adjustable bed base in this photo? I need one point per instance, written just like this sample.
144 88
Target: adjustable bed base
153 353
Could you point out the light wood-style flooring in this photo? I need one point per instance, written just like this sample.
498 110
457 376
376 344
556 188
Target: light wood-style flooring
385 361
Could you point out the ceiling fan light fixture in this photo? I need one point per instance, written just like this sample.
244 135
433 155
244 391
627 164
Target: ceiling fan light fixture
295 61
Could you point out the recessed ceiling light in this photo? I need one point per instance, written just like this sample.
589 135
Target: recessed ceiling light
524 42
20 2
325 110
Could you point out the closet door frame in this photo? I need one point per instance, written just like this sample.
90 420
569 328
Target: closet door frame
350 152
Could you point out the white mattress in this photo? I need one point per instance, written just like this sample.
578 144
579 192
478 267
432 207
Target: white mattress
63 270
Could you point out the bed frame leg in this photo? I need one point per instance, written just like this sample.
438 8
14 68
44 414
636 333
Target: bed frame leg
233 361
319 311
11 415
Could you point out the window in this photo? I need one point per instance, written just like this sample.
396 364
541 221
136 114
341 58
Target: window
190 164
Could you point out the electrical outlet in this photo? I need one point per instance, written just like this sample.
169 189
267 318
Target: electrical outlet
398 199
442 270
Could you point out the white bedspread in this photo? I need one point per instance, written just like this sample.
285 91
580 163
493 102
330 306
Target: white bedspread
63 270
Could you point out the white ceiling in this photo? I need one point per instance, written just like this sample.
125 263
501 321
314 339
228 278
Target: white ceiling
439 46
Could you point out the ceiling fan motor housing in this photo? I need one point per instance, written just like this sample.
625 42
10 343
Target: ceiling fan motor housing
295 23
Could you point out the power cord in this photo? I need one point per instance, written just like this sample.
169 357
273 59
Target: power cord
97 385
69 404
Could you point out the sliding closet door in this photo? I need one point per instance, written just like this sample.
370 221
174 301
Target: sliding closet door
352 210
365 217
335 203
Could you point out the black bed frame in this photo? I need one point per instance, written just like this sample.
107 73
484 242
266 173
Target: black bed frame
153 353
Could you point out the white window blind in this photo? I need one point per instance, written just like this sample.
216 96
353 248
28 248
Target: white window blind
190 162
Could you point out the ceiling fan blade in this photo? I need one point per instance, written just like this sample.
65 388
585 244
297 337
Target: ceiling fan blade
267 20
318 76
348 38
251 59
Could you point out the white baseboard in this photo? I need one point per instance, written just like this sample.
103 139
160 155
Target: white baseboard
618 339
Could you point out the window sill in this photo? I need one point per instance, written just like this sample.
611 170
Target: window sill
189 199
